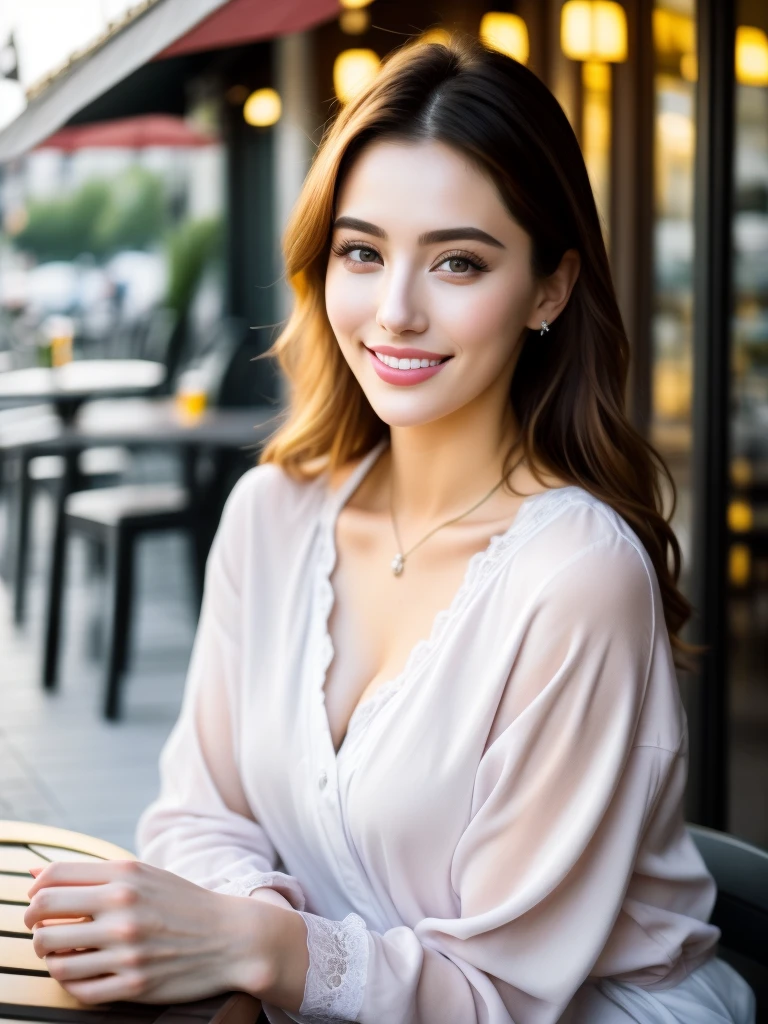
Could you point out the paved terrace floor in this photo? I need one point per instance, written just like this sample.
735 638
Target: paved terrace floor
61 763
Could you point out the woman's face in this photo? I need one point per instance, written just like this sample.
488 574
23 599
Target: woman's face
427 270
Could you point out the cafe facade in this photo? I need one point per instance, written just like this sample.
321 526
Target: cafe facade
669 100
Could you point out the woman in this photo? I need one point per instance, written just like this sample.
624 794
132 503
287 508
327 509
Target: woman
431 757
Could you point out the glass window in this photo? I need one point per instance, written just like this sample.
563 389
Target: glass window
748 499
674 85
596 134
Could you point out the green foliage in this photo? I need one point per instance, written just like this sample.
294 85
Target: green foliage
191 247
135 216
101 217
59 229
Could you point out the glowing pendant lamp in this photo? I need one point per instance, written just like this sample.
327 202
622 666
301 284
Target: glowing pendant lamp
594 30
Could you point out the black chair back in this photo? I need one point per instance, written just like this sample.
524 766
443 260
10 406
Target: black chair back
741 910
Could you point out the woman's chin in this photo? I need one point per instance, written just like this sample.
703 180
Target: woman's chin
409 410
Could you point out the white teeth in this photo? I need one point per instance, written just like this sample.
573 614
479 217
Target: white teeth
405 364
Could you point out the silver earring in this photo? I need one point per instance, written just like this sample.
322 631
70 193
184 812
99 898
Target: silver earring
544 327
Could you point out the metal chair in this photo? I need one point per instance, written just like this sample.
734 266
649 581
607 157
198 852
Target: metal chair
741 911
35 466
115 518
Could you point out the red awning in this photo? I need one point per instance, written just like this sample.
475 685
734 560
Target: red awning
162 28
245 21
128 133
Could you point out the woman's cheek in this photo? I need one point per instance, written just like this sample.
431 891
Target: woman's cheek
349 305
482 328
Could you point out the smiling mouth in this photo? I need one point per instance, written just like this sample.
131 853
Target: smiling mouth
410 362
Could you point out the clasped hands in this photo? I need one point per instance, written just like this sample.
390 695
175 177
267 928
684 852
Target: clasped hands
132 931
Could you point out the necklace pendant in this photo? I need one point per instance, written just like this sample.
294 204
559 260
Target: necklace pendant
398 564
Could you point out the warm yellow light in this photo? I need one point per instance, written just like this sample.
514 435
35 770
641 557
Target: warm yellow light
596 76
689 67
353 70
593 30
354 5
739 565
262 108
751 56
354 23
435 35
672 388
740 516
576 29
673 32
677 133
507 33
741 471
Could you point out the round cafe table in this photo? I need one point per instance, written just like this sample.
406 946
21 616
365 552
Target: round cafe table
68 387
27 991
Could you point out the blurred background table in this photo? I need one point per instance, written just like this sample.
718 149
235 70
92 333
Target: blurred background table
68 387
27 991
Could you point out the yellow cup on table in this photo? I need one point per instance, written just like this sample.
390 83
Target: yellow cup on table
59 333
191 394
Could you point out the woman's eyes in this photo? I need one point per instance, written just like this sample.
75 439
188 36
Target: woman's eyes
458 263
366 255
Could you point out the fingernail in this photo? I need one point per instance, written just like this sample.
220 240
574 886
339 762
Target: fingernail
35 871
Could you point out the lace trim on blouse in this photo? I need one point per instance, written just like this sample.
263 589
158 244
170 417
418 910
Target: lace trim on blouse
338 966
277 880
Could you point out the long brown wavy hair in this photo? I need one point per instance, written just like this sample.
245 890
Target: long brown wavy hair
567 394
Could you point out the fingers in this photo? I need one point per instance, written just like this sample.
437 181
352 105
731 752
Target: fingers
75 872
129 986
60 920
60 937
78 901
91 963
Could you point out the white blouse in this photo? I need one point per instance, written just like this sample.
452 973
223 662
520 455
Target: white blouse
443 883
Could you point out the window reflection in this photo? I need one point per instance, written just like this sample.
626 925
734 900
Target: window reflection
748 500
596 134
674 36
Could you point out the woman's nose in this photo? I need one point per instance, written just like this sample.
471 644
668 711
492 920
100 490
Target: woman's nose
400 309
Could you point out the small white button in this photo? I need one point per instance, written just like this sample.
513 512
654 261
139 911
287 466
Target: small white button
322 780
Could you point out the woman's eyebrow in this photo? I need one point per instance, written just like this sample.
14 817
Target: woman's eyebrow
359 225
459 234
429 238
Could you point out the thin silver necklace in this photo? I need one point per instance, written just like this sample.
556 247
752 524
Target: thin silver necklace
398 562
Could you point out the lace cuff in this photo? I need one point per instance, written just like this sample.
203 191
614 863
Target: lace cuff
338 965
286 885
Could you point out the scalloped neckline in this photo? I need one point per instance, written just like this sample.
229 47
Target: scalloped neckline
334 503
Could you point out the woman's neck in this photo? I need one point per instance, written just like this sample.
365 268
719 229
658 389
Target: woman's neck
436 470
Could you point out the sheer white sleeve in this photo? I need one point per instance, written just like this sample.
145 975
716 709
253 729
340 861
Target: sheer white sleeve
201 826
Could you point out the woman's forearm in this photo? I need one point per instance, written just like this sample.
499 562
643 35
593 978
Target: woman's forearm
271 957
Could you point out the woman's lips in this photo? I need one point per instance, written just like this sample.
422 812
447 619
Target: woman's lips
413 375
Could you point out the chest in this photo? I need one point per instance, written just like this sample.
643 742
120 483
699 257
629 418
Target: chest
378 618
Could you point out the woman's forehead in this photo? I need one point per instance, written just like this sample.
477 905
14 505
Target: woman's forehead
421 185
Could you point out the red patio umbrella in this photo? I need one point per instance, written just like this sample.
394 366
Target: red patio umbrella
129 133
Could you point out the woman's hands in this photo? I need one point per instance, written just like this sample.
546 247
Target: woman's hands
144 934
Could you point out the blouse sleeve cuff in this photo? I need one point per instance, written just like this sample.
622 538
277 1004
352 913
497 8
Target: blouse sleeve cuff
286 885
338 967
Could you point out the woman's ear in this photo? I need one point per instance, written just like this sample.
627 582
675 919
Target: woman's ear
555 290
